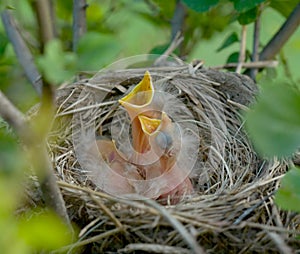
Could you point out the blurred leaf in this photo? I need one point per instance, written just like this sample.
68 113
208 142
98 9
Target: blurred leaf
160 49
96 50
8 232
288 195
200 6
57 65
245 5
285 7
3 43
248 17
232 38
44 231
274 122
166 8
233 58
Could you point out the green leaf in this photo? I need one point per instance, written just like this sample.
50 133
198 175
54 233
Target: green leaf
3 43
248 17
245 5
232 38
233 58
284 7
57 65
274 122
44 231
200 6
95 50
160 49
288 195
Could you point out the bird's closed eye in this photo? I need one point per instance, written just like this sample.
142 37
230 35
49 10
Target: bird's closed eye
164 141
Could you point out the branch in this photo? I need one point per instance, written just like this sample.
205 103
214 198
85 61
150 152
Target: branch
162 60
256 37
38 157
242 49
79 20
177 21
282 36
255 65
45 21
11 114
22 52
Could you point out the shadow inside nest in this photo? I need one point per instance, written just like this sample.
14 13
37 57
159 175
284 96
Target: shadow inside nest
232 207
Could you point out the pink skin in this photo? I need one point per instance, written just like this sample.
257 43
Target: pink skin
152 132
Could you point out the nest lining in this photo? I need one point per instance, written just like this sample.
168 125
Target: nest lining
232 208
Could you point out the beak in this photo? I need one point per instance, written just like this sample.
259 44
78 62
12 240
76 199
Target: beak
149 125
135 103
139 98
160 136
159 131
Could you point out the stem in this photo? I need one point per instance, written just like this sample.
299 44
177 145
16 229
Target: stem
22 52
36 148
242 50
177 21
11 114
282 35
256 36
79 20
45 21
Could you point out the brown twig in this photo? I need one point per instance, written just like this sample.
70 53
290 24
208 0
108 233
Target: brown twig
280 243
79 20
22 52
190 240
242 50
93 239
256 65
162 60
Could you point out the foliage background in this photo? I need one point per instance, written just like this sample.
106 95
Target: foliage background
123 28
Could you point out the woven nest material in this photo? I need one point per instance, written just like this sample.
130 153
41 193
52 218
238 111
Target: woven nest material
232 209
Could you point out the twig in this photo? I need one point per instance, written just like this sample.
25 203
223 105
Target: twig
256 37
38 155
105 209
177 20
242 50
11 114
45 21
153 248
282 35
256 65
89 240
281 245
79 21
22 52
175 43
190 240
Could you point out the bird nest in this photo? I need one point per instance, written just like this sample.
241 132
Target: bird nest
232 207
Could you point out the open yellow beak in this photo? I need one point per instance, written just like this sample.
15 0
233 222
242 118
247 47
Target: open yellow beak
136 103
160 135
139 98
149 125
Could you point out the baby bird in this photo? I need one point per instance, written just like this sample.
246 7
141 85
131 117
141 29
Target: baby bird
165 142
156 140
